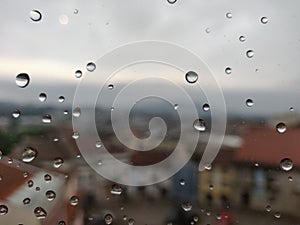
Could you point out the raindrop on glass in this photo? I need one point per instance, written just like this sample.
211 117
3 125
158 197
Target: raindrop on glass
182 182
22 80
3 210
108 219
47 119
242 38
42 97
229 15
199 125
206 107
29 154
110 86
171 1
61 99
264 20
66 112
207 30
175 106
268 208
75 135
16 114
76 112
249 102
291 109
30 183
74 200
228 70
290 178
250 53
208 167
50 195
281 128
76 11
90 66
98 144
47 177
58 162
116 189
78 73
26 201
131 221
35 15
40 213
191 77
286 164
277 215
186 206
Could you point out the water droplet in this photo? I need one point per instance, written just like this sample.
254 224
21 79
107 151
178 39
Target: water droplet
47 177
66 112
116 189
61 99
242 38
108 219
268 208
286 164
98 144
50 195
55 139
37 188
199 125
211 187
58 162
290 178
229 15
75 135
208 167
78 73
76 112
291 109
207 30
206 107
264 20
16 114
99 163
22 80
218 217
249 102
63 19
186 206
29 154
30 183
172 1
26 201
124 217
182 182
250 53
40 213
131 221
42 97
61 223
10 161
90 66
191 77
76 11
228 70
176 106
281 128
47 118
110 86
25 174
3 210
74 200
35 15
277 215
196 219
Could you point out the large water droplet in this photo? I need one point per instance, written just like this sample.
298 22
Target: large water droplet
199 125
281 128
249 102
206 107
186 206
90 66
26 201
76 112
286 164
250 53
40 213
108 218
35 15
22 80
3 210
61 99
29 154
42 97
50 195
78 73
74 200
16 114
116 189
58 162
47 119
264 20
191 77
228 70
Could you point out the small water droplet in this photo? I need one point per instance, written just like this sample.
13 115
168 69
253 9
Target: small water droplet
172 1
63 19
29 154
40 213
211 187
125 217
78 73
58 162
249 102
277 215
208 167
218 217
16 113
66 112
264 20
77 112
207 30
30 183
10 161
281 128
191 77
290 178
242 38
42 97
196 219
250 53
116 189
291 109
74 200
26 201
76 11
61 99
90 66
131 221
35 15
3 210
47 177
206 107
268 208
99 163
176 106
108 219
47 119
50 195
199 125
75 135
61 223
182 182
37 188
286 164
22 80
110 86
25 174
229 15
98 144
186 206
228 70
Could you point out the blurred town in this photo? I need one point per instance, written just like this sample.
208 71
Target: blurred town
53 184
